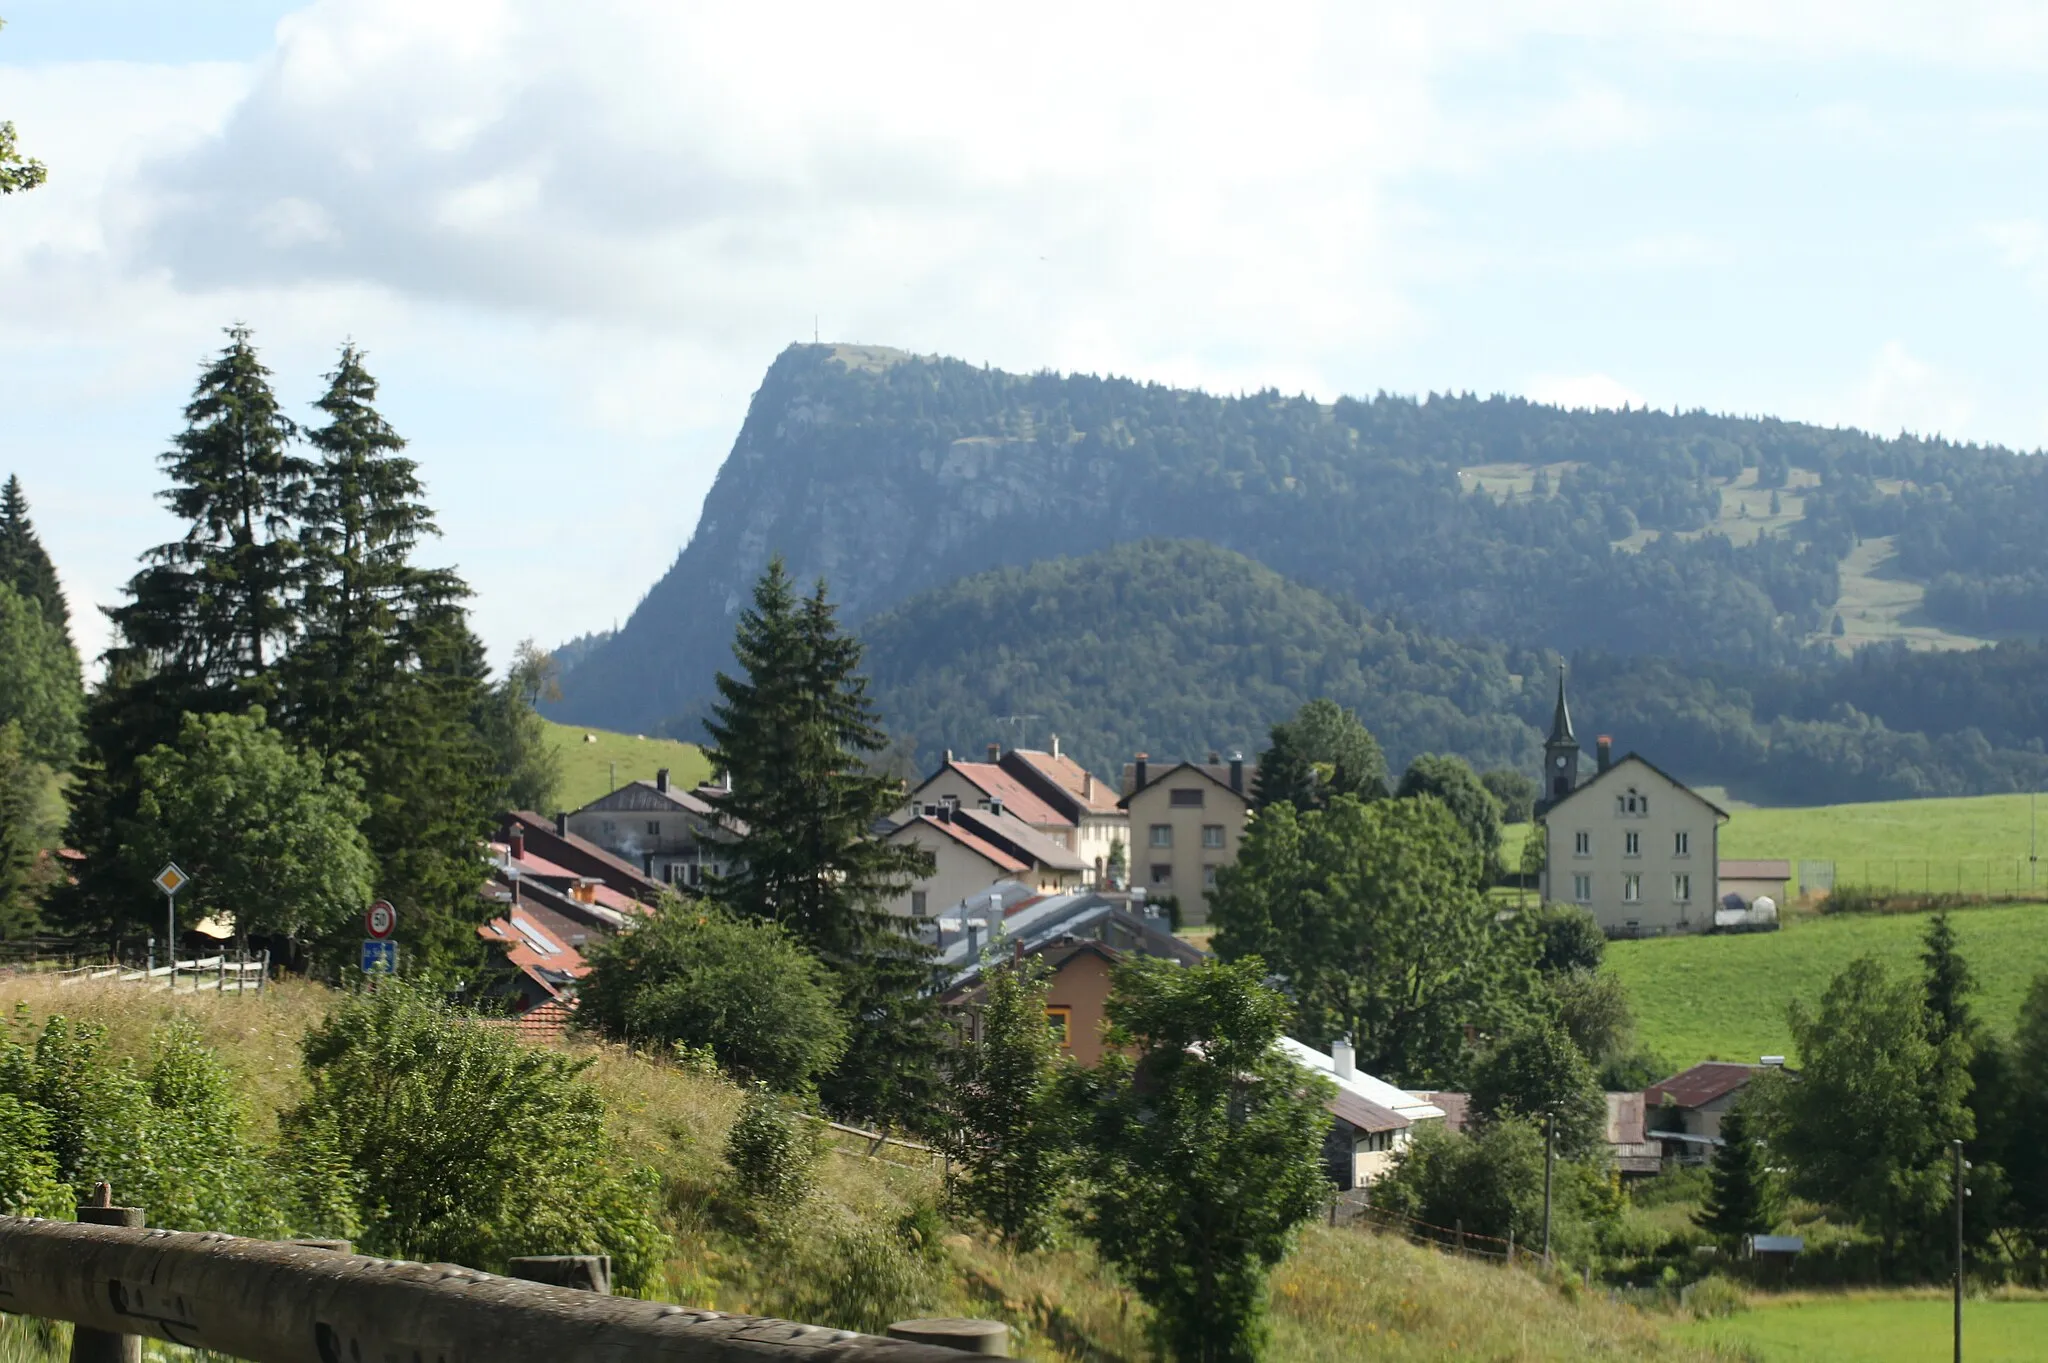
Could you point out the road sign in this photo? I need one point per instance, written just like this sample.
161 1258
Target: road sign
170 880
381 919
380 953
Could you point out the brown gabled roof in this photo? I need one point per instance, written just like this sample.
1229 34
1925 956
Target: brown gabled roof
1364 1113
1019 838
1219 772
1597 777
1456 1107
1700 1085
989 852
581 855
1080 786
1756 869
1017 797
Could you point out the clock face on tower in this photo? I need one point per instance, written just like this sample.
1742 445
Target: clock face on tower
1559 759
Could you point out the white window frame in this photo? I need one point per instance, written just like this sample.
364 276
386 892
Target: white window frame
1212 836
1161 837
1582 888
1632 843
1632 888
1582 843
1681 843
1681 887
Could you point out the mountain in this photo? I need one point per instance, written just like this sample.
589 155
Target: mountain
1735 542
1175 647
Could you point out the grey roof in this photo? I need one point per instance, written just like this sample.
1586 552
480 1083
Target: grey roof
1044 921
1618 764
1023 840
1219 772
1561 721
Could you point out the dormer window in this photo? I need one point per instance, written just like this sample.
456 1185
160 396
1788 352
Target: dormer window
1632 804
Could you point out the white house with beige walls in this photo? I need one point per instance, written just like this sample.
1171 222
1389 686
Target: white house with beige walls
1630 844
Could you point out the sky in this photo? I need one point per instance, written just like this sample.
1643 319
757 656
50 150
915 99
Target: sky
572 237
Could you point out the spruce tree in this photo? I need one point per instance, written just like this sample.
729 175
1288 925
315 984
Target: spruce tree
1741 1199
1947 982
24 565
792 732
219 605
23 788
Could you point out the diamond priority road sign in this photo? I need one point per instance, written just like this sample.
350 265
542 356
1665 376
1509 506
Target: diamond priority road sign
170 880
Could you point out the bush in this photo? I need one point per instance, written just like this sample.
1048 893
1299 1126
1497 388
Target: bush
1714 1297
855 1277
450 1140
1008 1135
696 975
771 1158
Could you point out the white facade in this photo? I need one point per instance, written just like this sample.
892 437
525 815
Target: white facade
1636 849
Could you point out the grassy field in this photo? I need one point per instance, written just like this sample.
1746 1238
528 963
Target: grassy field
1724 997
1871 1329
1342 1295
593 758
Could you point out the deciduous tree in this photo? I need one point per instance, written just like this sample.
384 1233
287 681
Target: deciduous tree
1536 1069
1007 1131
1324 751
1451 780
1203 1150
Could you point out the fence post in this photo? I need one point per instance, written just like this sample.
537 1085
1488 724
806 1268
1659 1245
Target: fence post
1460 1233
103 1346
584 1272
990 1338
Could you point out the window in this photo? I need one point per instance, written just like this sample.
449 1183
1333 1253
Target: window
654 827
1208 877
1185 799
1162 874
1212 835
1060 1018
1632 889
1681 887
1582 844
1632 804
1631 844
1681 844
919 905
1582 889
1162 835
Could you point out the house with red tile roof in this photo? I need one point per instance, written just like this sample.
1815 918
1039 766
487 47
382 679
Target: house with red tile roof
1100 822
537 966
553 840
973 849
1685 1111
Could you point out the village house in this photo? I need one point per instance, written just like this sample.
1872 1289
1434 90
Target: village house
1187 819
1101 825
571 855
534 969
1371 1120
1629 844
1078 938
676 837
972 849
1684 1112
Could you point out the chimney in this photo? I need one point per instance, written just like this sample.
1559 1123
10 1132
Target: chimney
1342 1059
725 780
949 757
518 842
661 780
1214 757
561 824
1237 772
1055 747
995 752
1140 774
974 927
1604 746
1087 785
995 805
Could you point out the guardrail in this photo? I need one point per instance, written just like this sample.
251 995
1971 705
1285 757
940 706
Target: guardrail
271 1302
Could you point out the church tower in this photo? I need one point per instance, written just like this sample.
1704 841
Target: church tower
1560 750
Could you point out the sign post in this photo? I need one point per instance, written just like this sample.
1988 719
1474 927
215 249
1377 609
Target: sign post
379 951
171 880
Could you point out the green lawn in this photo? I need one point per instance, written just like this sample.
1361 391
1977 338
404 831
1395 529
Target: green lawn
1724 997
592 759
1857 1329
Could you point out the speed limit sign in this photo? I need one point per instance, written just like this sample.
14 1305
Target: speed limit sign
381 919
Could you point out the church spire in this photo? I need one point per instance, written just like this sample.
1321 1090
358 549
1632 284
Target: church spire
1561 723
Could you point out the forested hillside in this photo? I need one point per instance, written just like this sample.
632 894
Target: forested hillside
891 475
1178 647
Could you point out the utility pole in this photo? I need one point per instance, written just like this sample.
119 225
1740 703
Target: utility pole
1549 1171
1960 1193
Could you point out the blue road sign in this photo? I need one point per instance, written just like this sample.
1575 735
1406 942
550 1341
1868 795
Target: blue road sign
380 954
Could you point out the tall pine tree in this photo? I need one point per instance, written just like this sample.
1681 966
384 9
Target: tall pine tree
792 733
386 672
205 620
24 565
1948 983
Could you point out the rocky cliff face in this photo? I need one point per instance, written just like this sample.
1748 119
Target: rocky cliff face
853 467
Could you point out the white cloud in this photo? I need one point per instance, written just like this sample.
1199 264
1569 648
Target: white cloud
1903 393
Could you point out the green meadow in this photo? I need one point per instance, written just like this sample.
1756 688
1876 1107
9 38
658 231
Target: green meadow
595 760
1857 1328
1724 997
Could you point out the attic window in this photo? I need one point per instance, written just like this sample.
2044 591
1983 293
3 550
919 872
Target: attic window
1186 799
1632 804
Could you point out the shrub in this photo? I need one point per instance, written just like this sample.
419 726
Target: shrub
1008 1135
696 975
771 1158
454 1141
1714 1297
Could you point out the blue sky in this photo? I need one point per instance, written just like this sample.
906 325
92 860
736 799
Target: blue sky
572 237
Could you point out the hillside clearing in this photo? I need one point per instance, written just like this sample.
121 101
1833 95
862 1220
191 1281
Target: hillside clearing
597 761
1724 997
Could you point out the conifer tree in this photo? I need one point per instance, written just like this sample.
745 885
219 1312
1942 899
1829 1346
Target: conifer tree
1741 1199
22 785
1947 982
24 565
791 732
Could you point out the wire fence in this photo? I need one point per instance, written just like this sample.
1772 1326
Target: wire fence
1449 1239
2017 877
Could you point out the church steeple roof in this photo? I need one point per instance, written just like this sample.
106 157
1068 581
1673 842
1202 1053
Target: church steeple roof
1561 734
